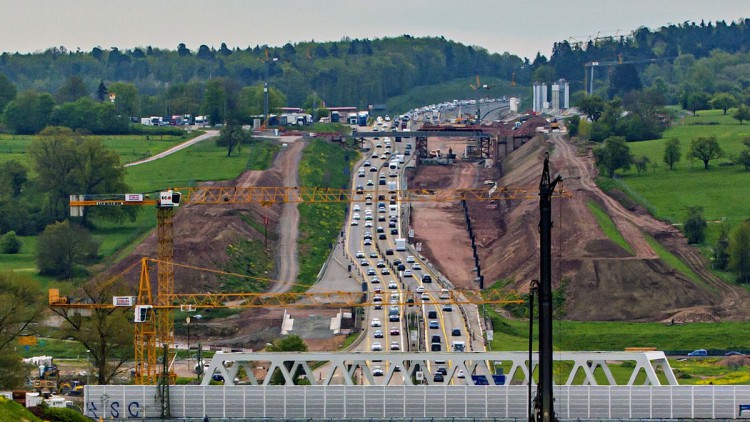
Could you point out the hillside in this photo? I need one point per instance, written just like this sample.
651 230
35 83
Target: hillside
604 281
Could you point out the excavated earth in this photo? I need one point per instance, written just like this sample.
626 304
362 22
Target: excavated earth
603 281
202 235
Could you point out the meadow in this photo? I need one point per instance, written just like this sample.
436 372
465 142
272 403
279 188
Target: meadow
719 190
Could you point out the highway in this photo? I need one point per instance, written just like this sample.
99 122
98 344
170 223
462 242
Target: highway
373 225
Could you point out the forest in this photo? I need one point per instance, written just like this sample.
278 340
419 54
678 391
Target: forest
681 63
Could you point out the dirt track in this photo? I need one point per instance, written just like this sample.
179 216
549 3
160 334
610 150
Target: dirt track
632 226
288 229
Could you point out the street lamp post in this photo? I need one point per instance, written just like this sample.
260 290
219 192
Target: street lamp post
88 364
187 322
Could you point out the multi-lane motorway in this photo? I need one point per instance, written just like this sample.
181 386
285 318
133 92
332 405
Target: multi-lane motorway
410 313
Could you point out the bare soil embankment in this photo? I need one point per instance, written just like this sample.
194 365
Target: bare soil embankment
604 281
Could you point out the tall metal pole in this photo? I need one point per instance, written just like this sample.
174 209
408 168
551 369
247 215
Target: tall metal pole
544 402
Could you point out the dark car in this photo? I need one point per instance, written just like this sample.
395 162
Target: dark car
439 377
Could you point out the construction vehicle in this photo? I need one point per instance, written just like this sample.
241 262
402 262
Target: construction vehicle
153 313
71 388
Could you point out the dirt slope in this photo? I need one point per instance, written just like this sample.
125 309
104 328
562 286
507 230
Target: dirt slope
606 282
202 233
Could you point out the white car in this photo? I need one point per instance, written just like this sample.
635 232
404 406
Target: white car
392 285
356 207
377 371
395 345
376 322
407 273
410 259
420 289
355 223
376 347
368 223
416 267
356 216
360 254
460 374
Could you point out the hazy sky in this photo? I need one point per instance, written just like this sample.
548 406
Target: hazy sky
519 27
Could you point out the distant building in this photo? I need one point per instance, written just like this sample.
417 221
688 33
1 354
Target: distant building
560 95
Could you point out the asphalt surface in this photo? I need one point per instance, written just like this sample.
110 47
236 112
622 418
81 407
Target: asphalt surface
346 271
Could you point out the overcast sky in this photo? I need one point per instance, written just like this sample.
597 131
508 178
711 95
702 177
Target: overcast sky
519 27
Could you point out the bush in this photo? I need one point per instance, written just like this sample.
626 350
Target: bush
10 243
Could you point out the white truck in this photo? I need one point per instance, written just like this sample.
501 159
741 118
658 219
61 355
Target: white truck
392 187
400 244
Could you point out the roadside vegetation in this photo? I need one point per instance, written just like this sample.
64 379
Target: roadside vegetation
323 164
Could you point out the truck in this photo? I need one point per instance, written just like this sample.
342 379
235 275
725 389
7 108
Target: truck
392 187
392 169
362 118
401 244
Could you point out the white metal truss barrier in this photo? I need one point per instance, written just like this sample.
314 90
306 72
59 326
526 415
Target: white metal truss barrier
355 368
427 401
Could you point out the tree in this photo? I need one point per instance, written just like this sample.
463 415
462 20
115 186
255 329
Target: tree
73 89
624 79
695 225
613 155
697 101
641 164
107 333
291 343
10 243
592 105
572 123
13 175
742 113
21 306
101 91
65 164
232 136
29 112
215 102
723 101
743 157
7 92
721 251
739 252
127 101
705 149
62 247
672 153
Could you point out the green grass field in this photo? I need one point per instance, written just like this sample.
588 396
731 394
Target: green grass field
128 147
716 189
